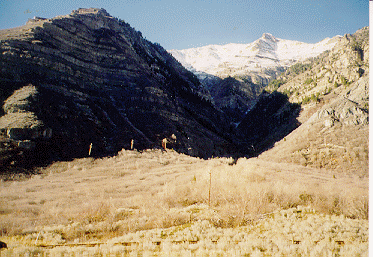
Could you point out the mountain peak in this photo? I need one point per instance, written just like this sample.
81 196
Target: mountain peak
98 11
267 52
105 80
268 36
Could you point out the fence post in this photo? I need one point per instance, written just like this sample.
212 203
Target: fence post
210 189
164 144
90 149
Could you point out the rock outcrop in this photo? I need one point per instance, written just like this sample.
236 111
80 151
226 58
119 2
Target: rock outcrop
234 97
88 78
330 71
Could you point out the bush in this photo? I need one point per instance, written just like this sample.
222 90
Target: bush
327 90
288 92
308 81
276 83
298 68
312 98
344 81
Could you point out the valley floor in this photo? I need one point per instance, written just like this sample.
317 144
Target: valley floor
168 204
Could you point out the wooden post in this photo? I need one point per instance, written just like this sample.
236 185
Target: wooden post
132 142
210 189
164 143
90 149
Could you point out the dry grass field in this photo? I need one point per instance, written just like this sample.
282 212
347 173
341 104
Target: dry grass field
158 203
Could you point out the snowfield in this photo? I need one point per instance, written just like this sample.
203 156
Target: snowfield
266 52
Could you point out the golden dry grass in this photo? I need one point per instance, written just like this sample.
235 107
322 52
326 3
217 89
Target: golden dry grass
293 232
89 199
344 149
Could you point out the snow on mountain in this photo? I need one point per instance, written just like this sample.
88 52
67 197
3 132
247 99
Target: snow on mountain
235 59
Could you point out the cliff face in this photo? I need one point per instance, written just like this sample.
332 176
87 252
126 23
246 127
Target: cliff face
342 65
88 78
234 97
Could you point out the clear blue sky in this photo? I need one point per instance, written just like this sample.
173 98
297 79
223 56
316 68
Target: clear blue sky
179 24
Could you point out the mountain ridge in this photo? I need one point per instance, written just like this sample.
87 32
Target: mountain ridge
88 78
267 52
252 66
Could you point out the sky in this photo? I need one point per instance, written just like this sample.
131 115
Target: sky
180 24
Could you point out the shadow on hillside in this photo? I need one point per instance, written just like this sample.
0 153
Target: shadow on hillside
271 119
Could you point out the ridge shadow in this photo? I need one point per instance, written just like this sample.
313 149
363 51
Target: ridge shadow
270 120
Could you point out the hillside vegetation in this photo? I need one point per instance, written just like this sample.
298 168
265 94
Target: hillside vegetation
333 89
329 72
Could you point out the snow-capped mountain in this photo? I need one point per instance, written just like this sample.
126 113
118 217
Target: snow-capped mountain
268 52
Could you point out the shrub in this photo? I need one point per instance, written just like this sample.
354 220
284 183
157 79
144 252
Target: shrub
308 81
312 98
344 81
288 92
298 68
328 90
276 83
306 100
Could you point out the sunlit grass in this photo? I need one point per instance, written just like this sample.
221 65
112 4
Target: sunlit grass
97 201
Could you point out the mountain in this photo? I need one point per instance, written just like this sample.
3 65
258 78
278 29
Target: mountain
333 89
260 59
89 83
314 110
251 66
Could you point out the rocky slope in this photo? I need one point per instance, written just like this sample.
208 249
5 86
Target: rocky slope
233 96
89 78
334 91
